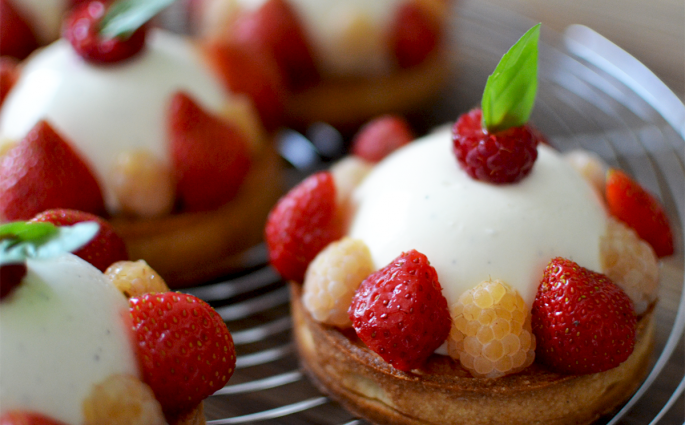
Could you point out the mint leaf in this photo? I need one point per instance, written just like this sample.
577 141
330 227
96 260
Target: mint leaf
124 17
510 91
15 249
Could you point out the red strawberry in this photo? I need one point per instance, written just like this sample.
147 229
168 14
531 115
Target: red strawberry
8 75
106 248
82 29
301 224
582 321
400 313
415 35
210 156
381 136
632 204
23 417
254 74
185 351
276 28
11 276
503 157
43 172
16 37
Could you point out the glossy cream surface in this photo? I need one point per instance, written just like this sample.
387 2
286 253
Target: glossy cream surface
347 36
64 329
43 16
104 110
419 198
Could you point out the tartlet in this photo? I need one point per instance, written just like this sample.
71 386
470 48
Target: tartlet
341 64
66 324
120 121
443 392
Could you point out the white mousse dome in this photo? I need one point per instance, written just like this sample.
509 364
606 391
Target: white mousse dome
64 329
419 198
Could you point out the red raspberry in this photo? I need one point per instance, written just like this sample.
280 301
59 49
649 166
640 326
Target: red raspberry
582 321
82 27
400 313
301 224
381 136
503 157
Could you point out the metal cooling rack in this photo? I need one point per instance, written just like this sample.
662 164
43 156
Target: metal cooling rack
592 95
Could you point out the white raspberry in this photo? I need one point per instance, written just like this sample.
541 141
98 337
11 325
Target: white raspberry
122 400
333 277
135 278
630 263
491 334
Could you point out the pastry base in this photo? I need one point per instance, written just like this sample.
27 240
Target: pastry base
191 248
348 103
443 392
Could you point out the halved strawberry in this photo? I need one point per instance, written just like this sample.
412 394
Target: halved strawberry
632 204
24 417
8 75
414 35
301 224
400 313
582 321
210 156
276 27
252 73
381 136
185 350
44 172
10 277
16 37
103 250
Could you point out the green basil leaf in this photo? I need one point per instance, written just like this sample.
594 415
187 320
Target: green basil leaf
124 17
63 239
510 91
26 231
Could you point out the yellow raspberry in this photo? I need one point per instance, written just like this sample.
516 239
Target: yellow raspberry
348 173
333 277
143 185
491 334
590 166
135 278
122 400
630 263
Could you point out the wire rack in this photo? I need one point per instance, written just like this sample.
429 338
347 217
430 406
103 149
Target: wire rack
592 95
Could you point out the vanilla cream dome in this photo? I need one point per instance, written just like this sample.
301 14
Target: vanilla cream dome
64 329
104 110
348 37
419 198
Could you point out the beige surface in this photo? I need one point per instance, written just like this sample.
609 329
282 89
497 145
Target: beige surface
651 30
